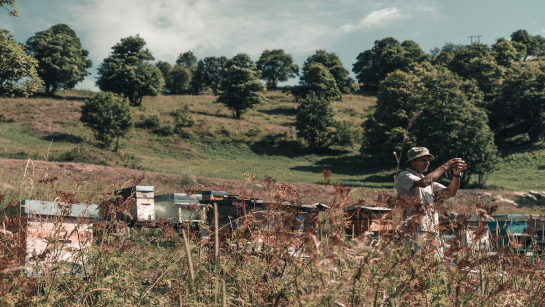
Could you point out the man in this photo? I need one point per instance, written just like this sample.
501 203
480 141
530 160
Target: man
413 182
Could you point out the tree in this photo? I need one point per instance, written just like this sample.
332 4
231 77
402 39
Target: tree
507 52
331 62
519 107
127 71
276 66
187 59
198 79
10 3
317 78
62 61
240 85
213 67
314 120
166 72
181 78
451 124
108 116
532 44
18 73
386 56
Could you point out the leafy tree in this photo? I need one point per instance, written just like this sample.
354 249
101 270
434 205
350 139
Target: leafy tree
166 72
331 62
444 55
276 66
451 124
62 61
18 72
240 85
314 120
386 56
198 79
532 44
127 71
108 116
187 59
10 3
318 79
213 67
519 107
181 78
507 52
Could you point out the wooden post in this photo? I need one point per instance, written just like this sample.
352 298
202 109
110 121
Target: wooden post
216 233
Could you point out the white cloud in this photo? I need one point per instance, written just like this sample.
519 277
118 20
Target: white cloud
385 17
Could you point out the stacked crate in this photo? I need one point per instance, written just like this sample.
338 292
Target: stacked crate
135 206
51 231
369 219
178 208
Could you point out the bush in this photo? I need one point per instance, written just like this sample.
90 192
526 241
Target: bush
346 134
148 122
183 118
188 177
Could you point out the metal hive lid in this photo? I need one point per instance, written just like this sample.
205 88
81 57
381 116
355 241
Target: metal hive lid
40 207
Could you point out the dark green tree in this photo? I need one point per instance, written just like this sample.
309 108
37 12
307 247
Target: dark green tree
127 71
18 74
318 79
62 61
166 72
331 62
519 107
531 43
508 52
240 85
181 79
187 59
386 56
314 120
276 66
108 116
198 80
213 67
451 125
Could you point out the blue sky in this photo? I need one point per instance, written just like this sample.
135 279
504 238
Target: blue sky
215 28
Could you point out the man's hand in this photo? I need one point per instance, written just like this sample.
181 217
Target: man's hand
457 165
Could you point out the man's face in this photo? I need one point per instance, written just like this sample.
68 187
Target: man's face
420 164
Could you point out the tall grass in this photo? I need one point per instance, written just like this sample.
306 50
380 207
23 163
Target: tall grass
262 262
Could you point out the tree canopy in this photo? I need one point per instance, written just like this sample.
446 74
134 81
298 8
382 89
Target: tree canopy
213 67
127 71
519 107
276 66
18 73
451 125
386 56
314 120
531 43
187 59
240 85
63 63
10 3
344 83
198 80
108 116
318 79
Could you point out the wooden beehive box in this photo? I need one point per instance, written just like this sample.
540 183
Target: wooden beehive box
231 208
292 218
373 219
51 231
177 208
135 205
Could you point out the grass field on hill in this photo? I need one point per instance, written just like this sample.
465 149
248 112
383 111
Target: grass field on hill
263 142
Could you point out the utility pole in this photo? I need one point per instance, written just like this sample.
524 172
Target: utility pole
478 38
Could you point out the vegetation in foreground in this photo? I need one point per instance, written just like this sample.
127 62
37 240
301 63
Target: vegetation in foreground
322 266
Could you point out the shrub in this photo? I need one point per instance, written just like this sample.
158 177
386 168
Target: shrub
148 122
188 177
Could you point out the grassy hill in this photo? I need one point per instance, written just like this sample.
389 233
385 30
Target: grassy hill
218 146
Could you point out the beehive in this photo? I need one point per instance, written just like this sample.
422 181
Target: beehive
177 208
51 231
135 205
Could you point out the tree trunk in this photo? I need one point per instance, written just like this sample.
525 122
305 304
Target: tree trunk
237 114
117 144
47 91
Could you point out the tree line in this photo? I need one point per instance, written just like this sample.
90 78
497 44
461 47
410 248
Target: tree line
473 97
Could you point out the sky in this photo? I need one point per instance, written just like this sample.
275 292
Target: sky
228 27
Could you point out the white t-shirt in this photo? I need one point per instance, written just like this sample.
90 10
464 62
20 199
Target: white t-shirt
404 186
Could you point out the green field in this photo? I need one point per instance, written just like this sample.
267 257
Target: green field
263 142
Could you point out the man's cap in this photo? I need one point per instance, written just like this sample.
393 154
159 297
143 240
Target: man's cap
417 152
